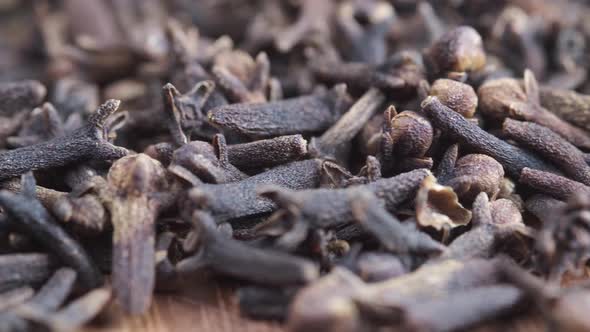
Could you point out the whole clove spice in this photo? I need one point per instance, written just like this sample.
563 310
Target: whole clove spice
506 98
135 183
36 220
302 115
232 258
512 158
548 183
551 146
250 153
86 143
331 143
267 152
239 199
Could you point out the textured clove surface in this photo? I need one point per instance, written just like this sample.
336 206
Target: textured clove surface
332 165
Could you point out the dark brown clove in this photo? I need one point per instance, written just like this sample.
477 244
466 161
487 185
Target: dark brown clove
136 183
268 152
512 158
330 303
377 266
389 231
551 146
406 134
541 206
482 240
42 124
399 75
185 111
244 79
87 143
459 97
47 197
458 51
561 243
461 310
365 27
507 98
210 163
78 312
551 184
322 208
235 259
239 199
37 222
475 173
14 297
301 115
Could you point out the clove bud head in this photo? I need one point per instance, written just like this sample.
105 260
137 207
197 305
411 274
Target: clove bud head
459 50
457 96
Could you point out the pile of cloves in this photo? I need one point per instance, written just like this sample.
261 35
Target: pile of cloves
345 165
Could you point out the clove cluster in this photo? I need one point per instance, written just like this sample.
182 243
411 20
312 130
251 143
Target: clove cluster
343 165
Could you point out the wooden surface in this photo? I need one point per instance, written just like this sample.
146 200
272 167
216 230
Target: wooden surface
200 305
205 305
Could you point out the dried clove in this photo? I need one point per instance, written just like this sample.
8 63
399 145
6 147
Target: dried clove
232 258
455 53
459 97
486 233
475 173
36 221
302 115
267 152
136 183
86 143
239 199
331 301
506 98
512 158
388 230
210 163
551 146
551 184
184 112
376 266
323 208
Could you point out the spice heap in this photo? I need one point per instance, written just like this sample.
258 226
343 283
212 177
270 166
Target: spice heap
347 165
